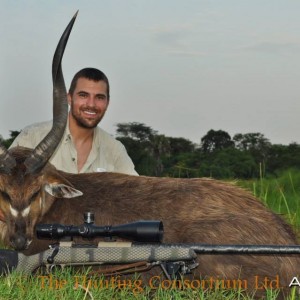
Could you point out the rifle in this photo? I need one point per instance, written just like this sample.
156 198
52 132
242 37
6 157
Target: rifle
174 259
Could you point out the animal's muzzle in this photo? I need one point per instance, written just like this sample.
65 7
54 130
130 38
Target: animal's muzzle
18 239
19 242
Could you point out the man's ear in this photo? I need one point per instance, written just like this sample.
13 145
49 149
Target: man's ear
69 98
60 190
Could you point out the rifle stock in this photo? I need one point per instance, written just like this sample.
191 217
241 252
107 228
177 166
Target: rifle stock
123 254
86 255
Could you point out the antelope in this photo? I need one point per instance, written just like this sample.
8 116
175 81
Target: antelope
198 210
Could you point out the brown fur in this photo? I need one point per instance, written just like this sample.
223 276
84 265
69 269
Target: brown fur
192 210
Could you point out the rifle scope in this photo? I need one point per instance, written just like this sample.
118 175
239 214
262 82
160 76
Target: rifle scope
140 231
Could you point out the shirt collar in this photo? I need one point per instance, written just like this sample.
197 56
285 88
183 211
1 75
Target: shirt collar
67 135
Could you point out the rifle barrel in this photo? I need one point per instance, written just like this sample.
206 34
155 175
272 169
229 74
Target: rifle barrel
242 249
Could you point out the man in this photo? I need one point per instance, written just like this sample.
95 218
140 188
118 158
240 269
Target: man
84 146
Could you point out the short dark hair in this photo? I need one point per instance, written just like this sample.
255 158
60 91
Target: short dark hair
91 74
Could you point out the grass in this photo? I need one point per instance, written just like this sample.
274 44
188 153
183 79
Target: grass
66 284
281 194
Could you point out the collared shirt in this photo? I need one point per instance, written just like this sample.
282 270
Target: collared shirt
107 154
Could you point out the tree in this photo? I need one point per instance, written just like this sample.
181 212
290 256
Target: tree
180 145
254 143
216 140
136 131
160 148
251 142
283 157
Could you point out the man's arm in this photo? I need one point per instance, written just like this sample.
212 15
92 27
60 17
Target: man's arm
113 153
123 163
22 140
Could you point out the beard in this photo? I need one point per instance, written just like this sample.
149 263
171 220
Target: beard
84 122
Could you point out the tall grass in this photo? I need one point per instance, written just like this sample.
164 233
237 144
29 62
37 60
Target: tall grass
281 194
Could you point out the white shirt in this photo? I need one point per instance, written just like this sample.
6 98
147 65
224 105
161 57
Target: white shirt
107 154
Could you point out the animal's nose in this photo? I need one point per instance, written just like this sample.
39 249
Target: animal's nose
18 242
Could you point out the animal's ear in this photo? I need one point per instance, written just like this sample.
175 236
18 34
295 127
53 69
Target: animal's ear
60 190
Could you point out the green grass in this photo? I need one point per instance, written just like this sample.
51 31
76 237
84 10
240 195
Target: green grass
66 284
281 194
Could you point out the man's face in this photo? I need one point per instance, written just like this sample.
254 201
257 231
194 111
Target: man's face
88 102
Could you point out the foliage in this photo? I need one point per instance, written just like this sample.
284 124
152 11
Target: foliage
180 145
255 144
216 140
228 163
67 284
251 142
283 157
218 155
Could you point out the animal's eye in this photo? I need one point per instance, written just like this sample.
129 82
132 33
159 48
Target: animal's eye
32 198
5 196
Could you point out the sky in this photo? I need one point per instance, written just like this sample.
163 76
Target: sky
182 67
